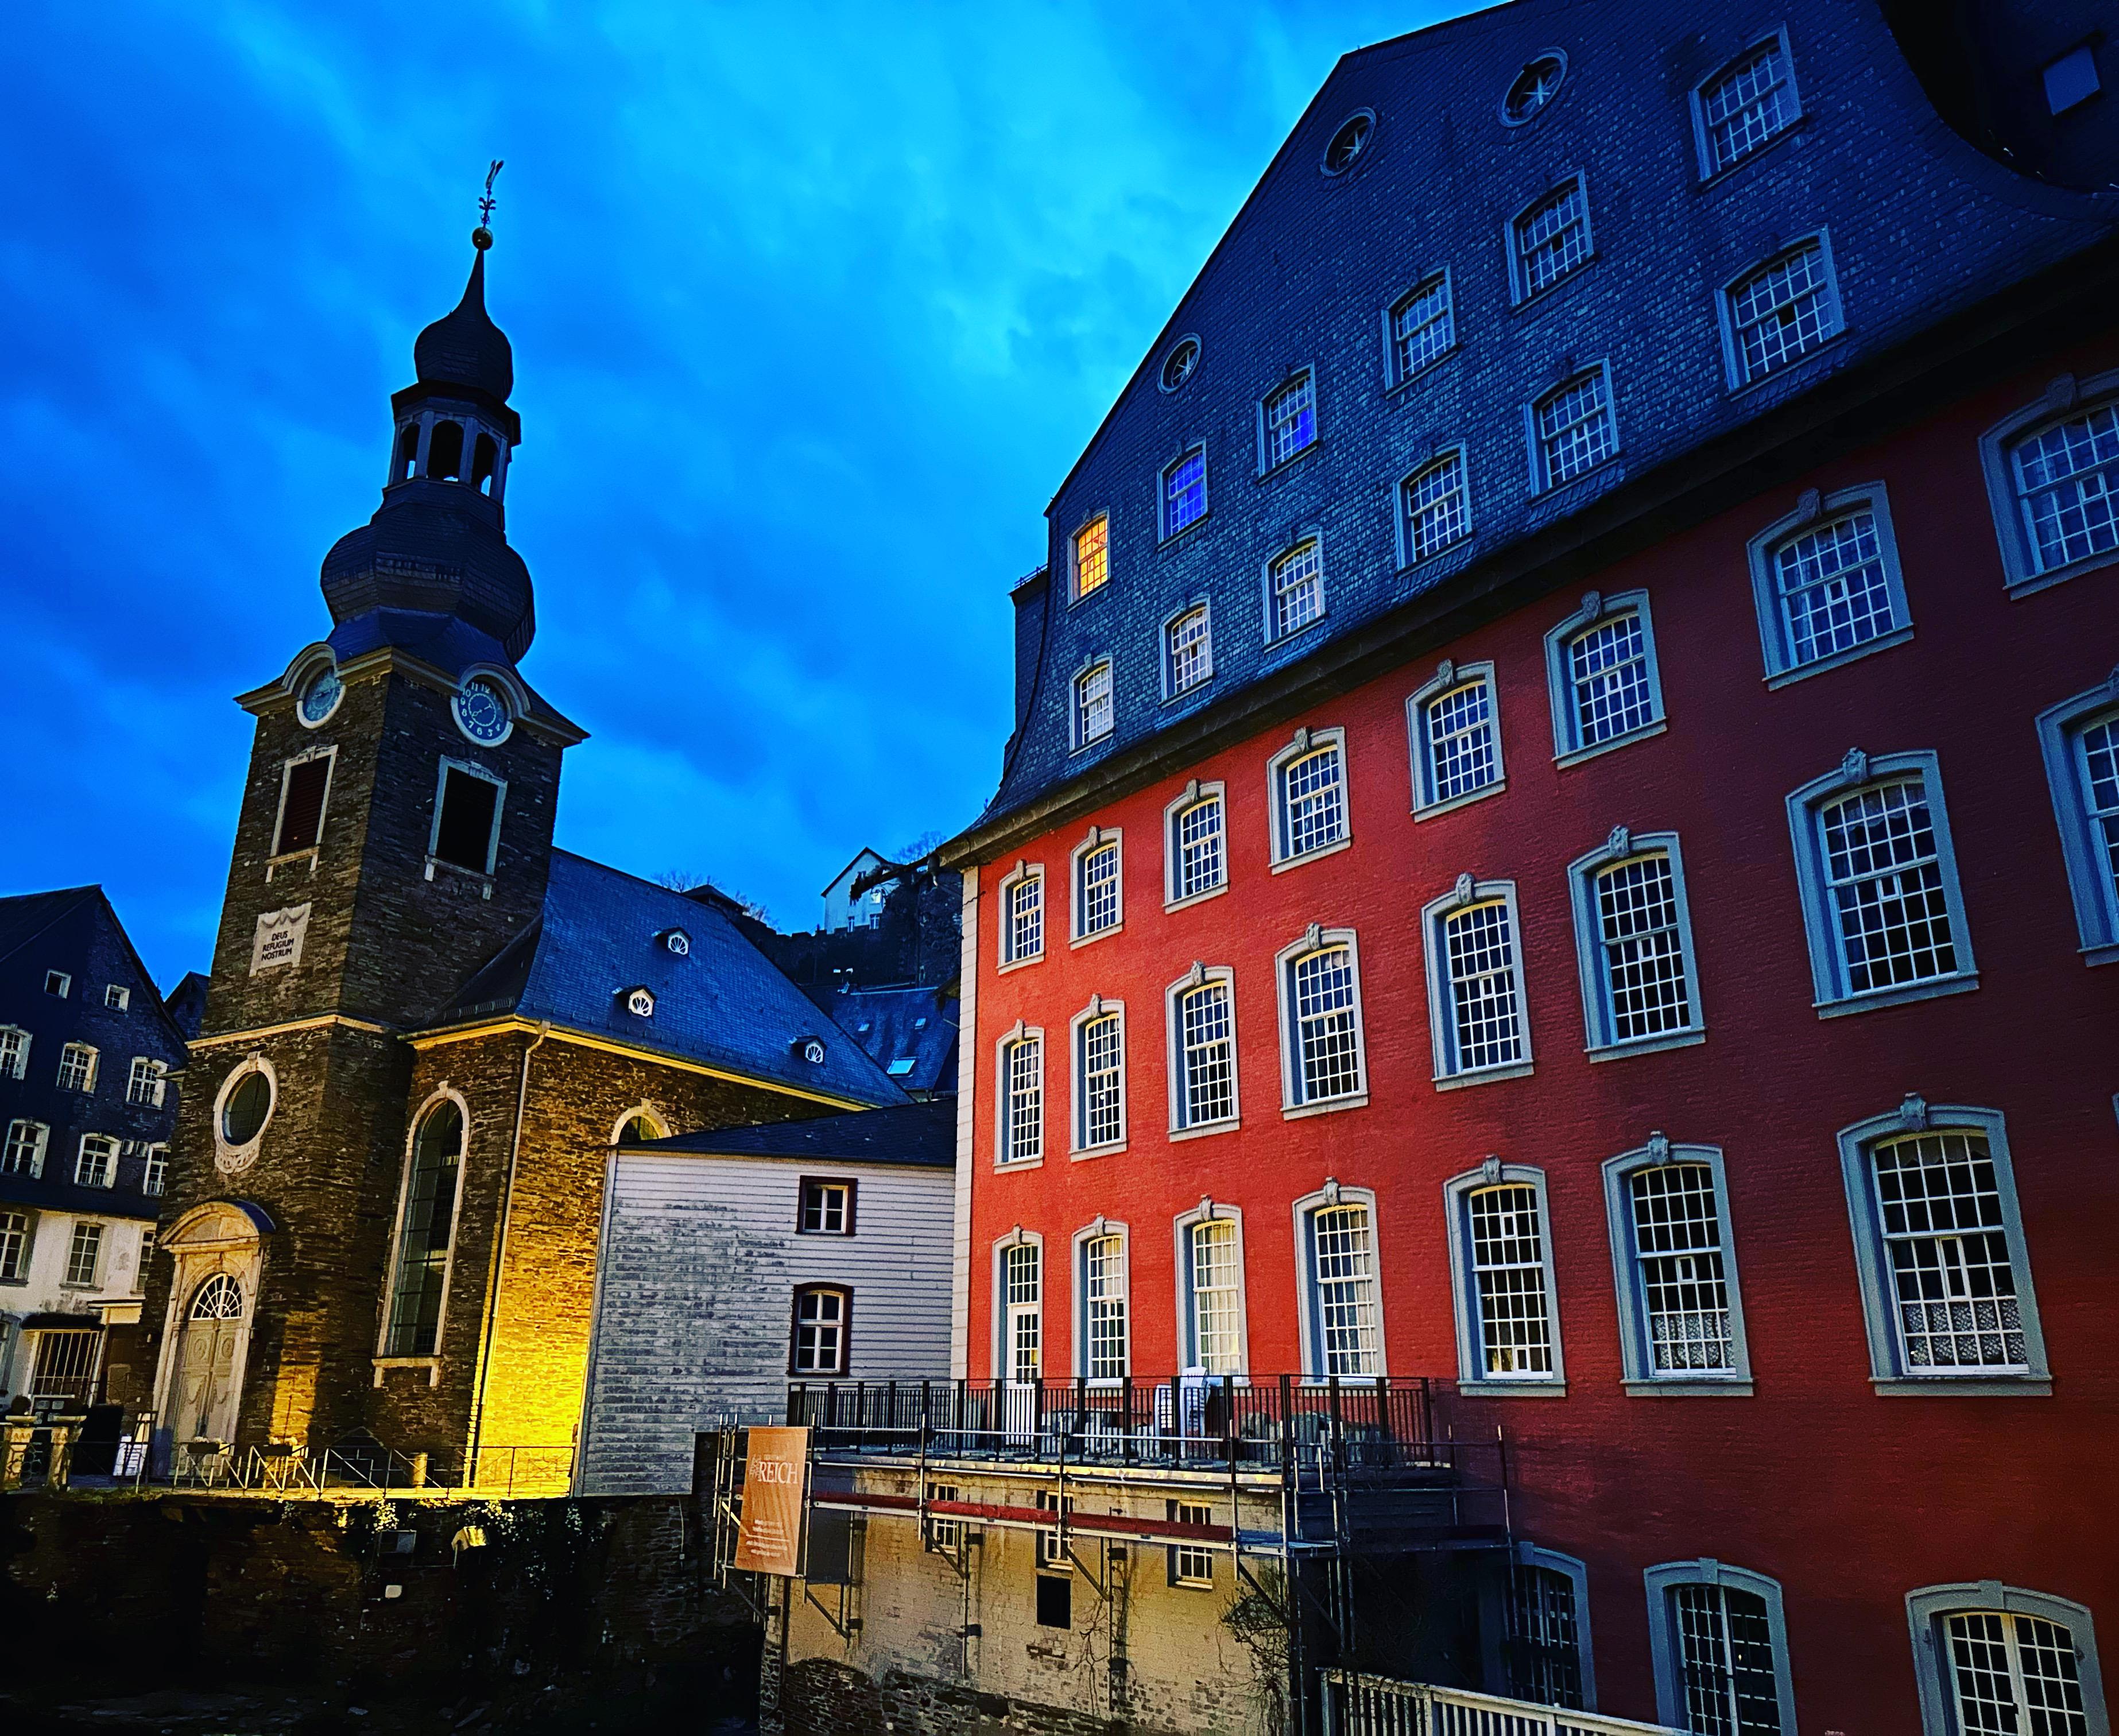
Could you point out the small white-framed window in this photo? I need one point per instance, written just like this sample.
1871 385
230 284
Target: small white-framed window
1093 712
1718 1642
84 1266
1187 650
1091 548
1203 1050
1022 915
1342 1316
827 1207
77 1067
1191 1564
1184 491
1295 587
1195 849
1827 584
1103 1335
467 805
154 1178
1434 511
1508 1318
1989 1658
2079 740
117 996
97 1164
23 1154
1571 428
424 1255
822 1330
1306 784
1749 103
2052 478
1210 1290
1632 943
1547 1650
1323 1061
1674 1262
1420 328
1100 1076
305 794
1550 239
1939 1250
58 983
15 1227
1453 728
1778 311
1287 420
1096 869
1019 1096
1477 1014
14 1052
1882 911
1019 1321
1602 677
147 1082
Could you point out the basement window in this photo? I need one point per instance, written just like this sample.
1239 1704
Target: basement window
1056 1601
467 817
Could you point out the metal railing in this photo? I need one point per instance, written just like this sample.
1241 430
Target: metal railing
1357 1704
292 1470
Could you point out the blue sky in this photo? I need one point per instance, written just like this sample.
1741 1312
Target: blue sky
812 307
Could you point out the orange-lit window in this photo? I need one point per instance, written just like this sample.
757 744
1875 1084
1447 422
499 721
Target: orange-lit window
1092 555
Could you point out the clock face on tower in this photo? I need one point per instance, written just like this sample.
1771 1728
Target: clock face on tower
482 713
320 697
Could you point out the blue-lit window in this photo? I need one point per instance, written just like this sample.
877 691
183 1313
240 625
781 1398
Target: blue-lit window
1184 491
1290 419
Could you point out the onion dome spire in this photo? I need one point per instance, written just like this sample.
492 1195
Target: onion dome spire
464 347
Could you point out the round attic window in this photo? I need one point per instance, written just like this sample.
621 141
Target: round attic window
1177 366
1535 86
1349 141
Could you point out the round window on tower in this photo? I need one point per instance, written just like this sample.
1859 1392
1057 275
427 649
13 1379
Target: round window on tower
482 712
240 1112
320 697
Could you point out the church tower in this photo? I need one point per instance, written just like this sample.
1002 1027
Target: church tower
394 834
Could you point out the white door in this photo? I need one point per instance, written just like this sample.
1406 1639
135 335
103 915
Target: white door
205 1377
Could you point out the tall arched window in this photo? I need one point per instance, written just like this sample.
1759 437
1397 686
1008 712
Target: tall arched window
425 1233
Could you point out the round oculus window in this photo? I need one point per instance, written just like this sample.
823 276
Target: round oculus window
482 712
1177 366
245 1109
320 697
1348 142
1535 86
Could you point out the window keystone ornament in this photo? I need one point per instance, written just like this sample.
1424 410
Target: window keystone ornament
1659 1147
1445 672
1302 739
1197 975
1809 507
1593 605
2061 392
1313 936
1620 843
1462 894
1854 769
1206 1206
1490 1170
1331 1190
1912 1112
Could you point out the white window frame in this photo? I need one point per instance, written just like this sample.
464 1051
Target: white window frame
1308 536
1441 998
1394 375
1004 1364
1471 1375
2060 728
1663 1650
154 1074
1174 897
1099 838
1004 1105
1599 1018
33 1166
100 1247
1732 339
110 1148
1305 742
1827 964
2065 398
1454 452
15 1056
1519 289
1703 145
24 1253
117 997
1191 1564
1203 607
1888 1374
1639 1378
1813 512
1078 1108
1291 382
1181 1127
65 980
1926 1610
1078 1266
842 1366
329 754
1596 609
154 1178
1078 706
1075 593
1308 1302
1541 482
1293 1101
1004 893
1187 1327
1167 532
499 807
1448 676
86 1088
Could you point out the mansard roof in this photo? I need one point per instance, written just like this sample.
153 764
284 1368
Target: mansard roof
922 1136
722 1003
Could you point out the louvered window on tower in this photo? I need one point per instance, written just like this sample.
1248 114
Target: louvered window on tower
466 827
301 797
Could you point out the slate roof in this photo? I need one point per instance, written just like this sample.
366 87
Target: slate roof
452 645
912 1033
724 1003
464 347
920 1135
27 915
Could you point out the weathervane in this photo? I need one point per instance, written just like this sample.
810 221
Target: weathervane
481 238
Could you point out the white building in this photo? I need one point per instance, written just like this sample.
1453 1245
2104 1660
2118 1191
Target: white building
846 908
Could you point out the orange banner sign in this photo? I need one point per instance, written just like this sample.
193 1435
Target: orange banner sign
769 1539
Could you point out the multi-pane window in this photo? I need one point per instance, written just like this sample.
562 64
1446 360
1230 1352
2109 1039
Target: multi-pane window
1782 311
1313 803
1097 889
1297 579
1342 1268
1575 432
1883 872
145 1082
1290 420
1680 1279
1189 651
2014 1675
1207 1056
1745 105
1184 491
1104 1307
1512 1329
1100 1062
97 1165
76 1067
1544 1636
1092 703
820 1330
1483 1005
1052 1552
1217 1297
1460 741
1092 555
2079 740
2066 481
156 1177
1832 589
1432 500
1611 687
1023 934
1196 842
1324 1024
117 996
2099 748
1421 328
828 1208
426 1234
1023 1318
85 1255
1946 1242
1641 948
14 1244
1551 238
1023 1105
1723 1647
14 1052
944 1533
24 1152
1191 1563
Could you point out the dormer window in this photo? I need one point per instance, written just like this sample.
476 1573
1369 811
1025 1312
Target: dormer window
675 940
809 1050
640 1002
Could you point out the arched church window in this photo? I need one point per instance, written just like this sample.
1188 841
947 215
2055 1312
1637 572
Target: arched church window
486 459
425 1233
408 452
445 451
219 1298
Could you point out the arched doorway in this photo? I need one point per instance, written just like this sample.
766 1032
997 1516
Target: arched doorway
217 1254
207 1387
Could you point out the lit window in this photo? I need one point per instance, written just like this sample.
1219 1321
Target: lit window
1535 86
1680 1321
1634 936
1022 1319
97 1165
1782 312
146 1081
1721 1650
2079 739
1321 997
1104 1306
1551 239
1022 934
1092 555
1990 1658
24 1152
1310 796
156 1177
1184 491
1097 907
1214 1277
1297 582
85 1255
1290 420
1575 432
821 1319
1474 981
1547 1623
425 1233
1099 1078
2066 478
1092 704
1197 864
1456 736
1421 328
14 1052
77 1067
828 1208
1343 1286
1745 104
1601 671
1191 1564
1204 1023
1190 652
1827 584
1432 503
14 1245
